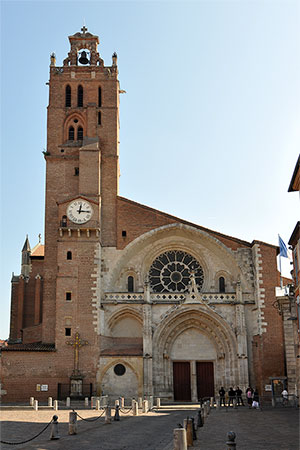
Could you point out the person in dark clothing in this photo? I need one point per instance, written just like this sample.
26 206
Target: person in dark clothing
231 395
222 396
239 396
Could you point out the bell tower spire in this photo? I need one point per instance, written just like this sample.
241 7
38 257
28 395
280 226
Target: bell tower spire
26 252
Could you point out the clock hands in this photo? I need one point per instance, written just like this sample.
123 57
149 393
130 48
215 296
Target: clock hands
80 210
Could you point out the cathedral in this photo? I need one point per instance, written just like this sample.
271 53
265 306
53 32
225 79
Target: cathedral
123 299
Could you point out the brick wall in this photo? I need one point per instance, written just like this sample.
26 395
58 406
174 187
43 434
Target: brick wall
268 346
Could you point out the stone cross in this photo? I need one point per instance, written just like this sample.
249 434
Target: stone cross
77 343
84 29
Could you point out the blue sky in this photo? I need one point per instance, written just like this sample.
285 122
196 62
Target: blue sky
209 124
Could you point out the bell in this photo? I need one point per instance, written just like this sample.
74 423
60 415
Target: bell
83 59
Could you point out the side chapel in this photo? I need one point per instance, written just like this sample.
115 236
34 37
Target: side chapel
123 299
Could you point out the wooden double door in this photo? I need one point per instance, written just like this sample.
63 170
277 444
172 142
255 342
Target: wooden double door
182 380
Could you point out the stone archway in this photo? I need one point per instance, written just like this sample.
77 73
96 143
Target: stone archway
216 341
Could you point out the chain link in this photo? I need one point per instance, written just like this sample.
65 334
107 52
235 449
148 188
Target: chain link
90 420
124 411
28 440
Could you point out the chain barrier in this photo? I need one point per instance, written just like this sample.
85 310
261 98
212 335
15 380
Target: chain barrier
28 440
90 420
123 410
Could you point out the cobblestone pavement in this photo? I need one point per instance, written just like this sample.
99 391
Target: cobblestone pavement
269 429
256 430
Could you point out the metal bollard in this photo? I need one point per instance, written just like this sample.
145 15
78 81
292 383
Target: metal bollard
31 401
121 402
145 406
179 441
73 422
212 402
68 402
50 403
86 402
54 428
188 425
231 444
158 404
135 408
208 407
97 405
194 429
235 403
107 414
35 405
202 415
140 402
200 422
117 413
55 405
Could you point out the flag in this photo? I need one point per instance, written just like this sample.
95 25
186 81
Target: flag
282 247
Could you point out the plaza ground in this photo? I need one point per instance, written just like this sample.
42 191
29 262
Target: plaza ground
269 429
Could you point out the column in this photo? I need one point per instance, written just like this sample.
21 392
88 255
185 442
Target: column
37 299
241 335
147 350
194 393
21 293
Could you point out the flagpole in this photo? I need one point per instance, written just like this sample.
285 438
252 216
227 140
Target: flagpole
280 263
280 271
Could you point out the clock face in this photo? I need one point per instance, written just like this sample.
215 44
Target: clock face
80 211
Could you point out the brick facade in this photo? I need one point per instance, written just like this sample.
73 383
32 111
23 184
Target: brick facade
80 282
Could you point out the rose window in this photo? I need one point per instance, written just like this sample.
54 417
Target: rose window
171 271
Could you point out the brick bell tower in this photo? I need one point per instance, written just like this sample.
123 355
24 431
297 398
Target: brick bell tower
82 172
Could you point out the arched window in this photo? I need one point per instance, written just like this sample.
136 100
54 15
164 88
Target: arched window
80 96
71 134
80 134
68 95
64 221
222 284
69 255
130 284
99 96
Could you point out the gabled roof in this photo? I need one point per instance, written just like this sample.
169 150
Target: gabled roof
295 235
38 250
35 347
199 227
295 181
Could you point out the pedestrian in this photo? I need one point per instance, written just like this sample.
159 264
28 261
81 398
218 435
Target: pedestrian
255 402
249 394
222 396
239 396
285 397
231 395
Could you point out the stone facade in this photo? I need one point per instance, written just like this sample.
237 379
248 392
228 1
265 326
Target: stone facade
163 307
